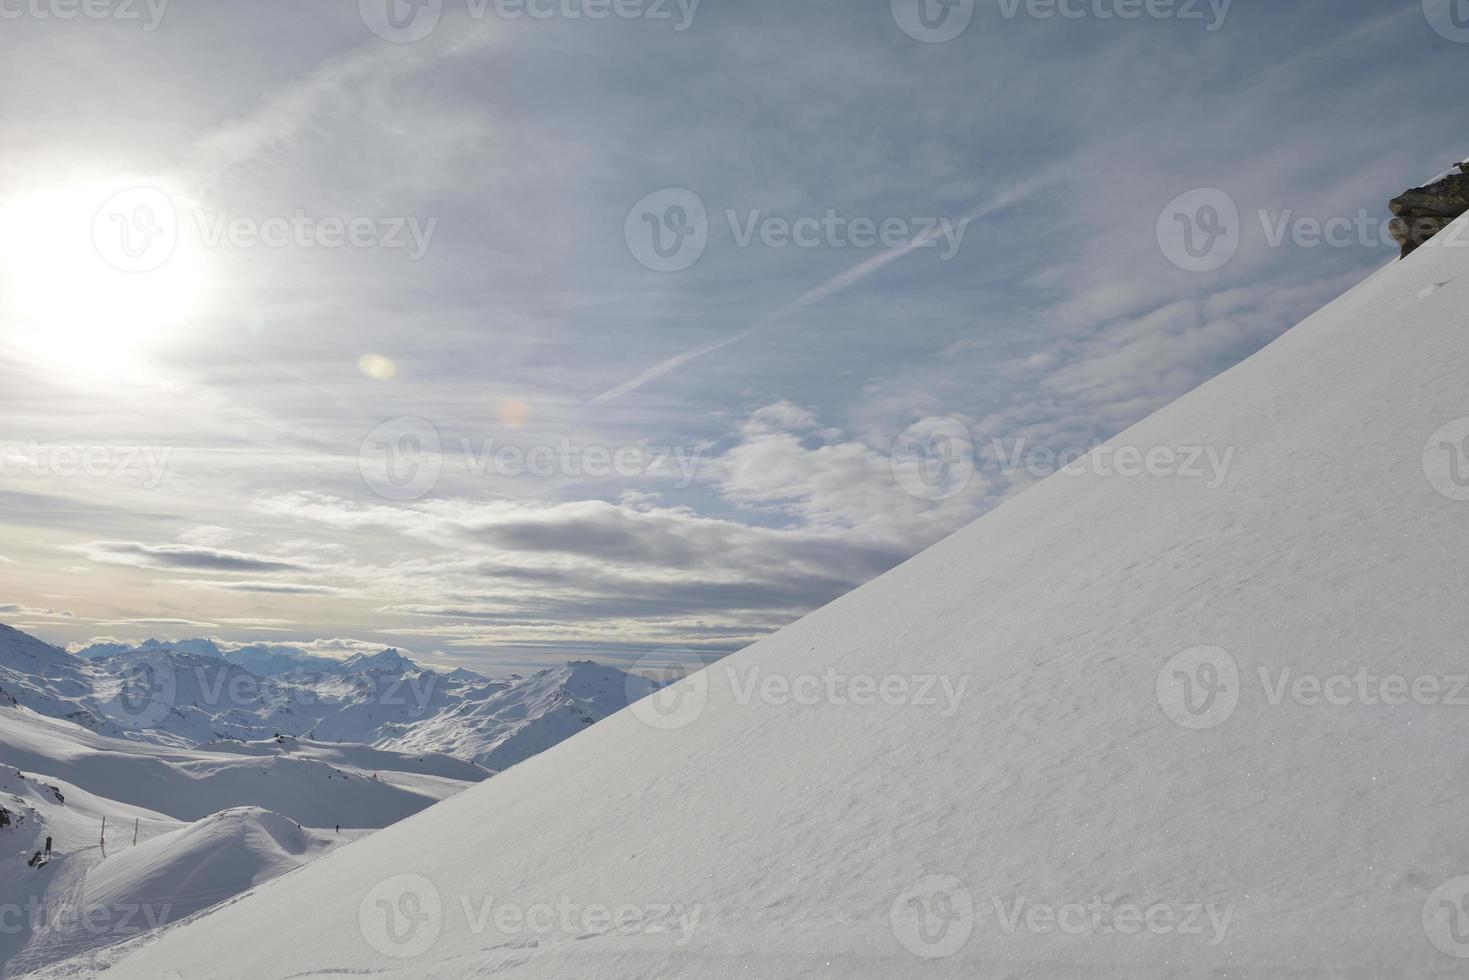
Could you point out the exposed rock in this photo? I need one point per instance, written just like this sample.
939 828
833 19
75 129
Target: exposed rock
1422 212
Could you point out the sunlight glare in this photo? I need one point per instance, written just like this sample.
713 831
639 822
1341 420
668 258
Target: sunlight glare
94 277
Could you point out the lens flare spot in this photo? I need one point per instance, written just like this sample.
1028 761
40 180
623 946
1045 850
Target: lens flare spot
377 367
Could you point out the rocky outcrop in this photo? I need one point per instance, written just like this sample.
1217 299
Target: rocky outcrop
1423 212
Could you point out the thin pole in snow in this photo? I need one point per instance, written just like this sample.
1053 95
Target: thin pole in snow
104 830
135 831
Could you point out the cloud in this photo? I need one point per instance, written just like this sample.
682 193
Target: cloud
16 609
839 283
141 555
811 513
265 588
207 535
158 622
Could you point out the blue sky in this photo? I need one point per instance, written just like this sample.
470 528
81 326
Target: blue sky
386 441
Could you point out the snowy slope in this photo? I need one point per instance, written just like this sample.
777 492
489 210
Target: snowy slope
318 785
93 897
38 807
1038 829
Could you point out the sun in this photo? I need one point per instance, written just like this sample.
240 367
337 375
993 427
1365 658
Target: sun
94 277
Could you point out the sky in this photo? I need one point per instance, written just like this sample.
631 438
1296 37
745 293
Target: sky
513 331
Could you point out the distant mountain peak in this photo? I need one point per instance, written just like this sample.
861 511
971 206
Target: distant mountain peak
388 659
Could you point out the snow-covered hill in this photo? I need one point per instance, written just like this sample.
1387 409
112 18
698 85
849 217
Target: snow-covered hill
66 782
316 784
91 895
1123 726
189 693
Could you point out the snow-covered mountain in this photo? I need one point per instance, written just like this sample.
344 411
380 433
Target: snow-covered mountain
1123 726
209 823
188 693
206 753
94 891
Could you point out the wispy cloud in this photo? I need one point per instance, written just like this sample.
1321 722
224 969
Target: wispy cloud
139 554
831 287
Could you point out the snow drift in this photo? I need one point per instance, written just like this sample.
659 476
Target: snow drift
1153 771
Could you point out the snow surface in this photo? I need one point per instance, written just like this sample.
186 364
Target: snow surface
773 838
92 896
318 785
